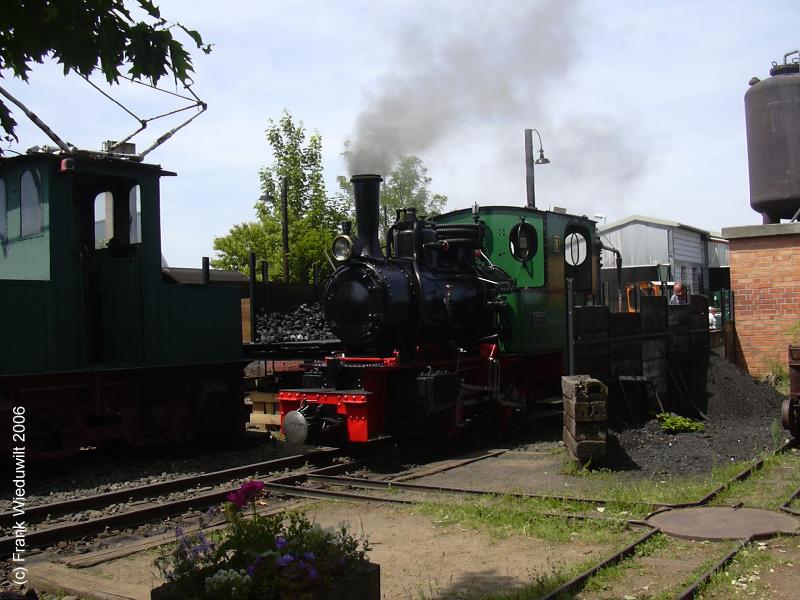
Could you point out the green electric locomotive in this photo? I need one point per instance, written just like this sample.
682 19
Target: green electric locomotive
97 345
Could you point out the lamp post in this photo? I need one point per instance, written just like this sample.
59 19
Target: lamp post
529 163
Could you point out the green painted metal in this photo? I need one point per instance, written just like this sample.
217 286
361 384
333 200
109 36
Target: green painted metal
536 319
76 307
499 222
24 255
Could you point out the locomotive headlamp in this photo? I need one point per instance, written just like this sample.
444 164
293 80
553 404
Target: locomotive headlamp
342 247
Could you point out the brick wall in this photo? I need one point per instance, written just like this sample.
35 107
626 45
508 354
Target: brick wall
765 276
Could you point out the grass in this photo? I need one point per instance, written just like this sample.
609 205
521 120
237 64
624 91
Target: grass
541 584
777 375
614 573
741 575
633 495
507 516
780 472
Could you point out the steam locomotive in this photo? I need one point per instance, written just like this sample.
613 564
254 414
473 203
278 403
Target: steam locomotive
462 318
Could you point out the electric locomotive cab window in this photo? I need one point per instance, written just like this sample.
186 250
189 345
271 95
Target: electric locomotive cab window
135 212
111 214
103 219
31 203
523 241
3 219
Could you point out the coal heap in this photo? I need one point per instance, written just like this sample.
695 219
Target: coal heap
305 323
743 422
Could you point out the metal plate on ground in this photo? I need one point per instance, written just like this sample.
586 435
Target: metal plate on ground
723 523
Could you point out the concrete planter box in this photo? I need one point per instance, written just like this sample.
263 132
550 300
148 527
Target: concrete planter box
364 583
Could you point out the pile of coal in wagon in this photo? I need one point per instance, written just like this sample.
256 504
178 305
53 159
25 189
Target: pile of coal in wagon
743 421
306 322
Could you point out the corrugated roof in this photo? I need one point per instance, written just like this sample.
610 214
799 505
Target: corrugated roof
654 221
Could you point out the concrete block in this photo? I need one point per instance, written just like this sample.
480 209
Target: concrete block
584 451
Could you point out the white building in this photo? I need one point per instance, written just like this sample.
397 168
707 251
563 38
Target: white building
694 255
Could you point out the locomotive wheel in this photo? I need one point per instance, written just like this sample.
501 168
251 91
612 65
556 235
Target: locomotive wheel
789 414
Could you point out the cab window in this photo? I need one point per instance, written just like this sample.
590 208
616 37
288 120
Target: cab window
135 211
523 241
30 203
575 249
103 219
3 212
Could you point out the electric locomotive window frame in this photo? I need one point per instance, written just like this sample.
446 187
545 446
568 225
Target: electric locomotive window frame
3 213
135 214
532 245
31 217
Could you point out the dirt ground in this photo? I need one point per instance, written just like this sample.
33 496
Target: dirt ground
419 559
422 559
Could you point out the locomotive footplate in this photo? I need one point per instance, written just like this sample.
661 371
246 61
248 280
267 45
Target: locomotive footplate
328 413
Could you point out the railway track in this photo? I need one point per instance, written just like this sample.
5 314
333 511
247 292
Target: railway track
70 520
326 480
319 485
51 523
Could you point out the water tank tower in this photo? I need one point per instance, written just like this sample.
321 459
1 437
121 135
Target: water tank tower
772 112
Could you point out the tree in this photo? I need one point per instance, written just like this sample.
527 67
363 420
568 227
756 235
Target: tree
312 217
87 35
406 186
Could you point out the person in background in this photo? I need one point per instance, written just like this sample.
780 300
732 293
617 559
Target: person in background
679 296
712 318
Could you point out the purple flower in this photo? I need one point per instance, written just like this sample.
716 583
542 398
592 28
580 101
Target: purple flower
237 498
285 560
200 548
251 489
280 542
312 573
246 493
252 568
309 556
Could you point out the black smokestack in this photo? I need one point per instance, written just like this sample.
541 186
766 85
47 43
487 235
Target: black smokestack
367 191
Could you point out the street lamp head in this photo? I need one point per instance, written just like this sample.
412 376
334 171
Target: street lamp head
542 160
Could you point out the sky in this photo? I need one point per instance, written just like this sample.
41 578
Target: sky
640 105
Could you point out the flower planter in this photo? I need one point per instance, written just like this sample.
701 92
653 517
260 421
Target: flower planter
363 583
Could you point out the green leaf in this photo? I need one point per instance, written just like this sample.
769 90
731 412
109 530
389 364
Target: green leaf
7 122
194 35
84 35
179 59
151 8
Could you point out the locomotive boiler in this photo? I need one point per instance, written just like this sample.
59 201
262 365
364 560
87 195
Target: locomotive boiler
428 290
461 317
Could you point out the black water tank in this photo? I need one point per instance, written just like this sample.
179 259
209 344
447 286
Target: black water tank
772 112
